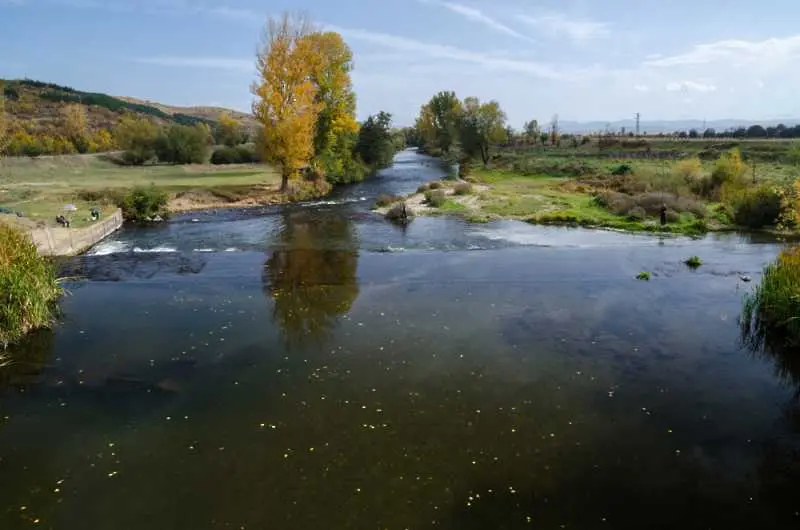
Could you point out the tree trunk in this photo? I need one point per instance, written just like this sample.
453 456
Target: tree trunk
485 155
284 179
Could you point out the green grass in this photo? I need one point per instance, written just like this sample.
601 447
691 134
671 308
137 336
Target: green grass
451 206
28 287
540 199
40 187
771 313
694 262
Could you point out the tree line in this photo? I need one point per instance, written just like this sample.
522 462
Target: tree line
463 131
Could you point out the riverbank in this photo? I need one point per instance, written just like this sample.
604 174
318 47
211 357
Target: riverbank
40 188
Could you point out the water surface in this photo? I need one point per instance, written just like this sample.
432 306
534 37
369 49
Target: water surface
313 366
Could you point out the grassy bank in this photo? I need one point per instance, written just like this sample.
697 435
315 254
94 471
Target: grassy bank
41 187
771 314
28 287
584 187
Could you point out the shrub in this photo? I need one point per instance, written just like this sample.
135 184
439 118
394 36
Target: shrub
757 208
770 313
400 212
226 155
622 170
386 200
307 189
247 154
28 287
463 188
435 198
645 276
435 185
673 216
144 204
425 187
689 170
637 213
181 144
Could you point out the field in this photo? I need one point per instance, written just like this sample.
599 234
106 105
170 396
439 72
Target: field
41 187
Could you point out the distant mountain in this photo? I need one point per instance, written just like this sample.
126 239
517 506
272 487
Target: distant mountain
665 126
39 103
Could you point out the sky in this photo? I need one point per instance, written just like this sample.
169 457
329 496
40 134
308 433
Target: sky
584 60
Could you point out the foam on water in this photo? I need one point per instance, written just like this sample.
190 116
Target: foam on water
108 247
155 250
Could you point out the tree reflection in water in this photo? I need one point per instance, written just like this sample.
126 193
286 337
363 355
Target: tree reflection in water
311 276
22 363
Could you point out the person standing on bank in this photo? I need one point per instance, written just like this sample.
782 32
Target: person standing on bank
663 214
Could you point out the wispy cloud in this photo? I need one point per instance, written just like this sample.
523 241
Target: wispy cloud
556 24
687 86
443 51
738 51
215 63
641 88
476 15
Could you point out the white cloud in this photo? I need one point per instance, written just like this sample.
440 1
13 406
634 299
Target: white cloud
641 88
216 63
737 51
556 24
476 15
687 86
443 51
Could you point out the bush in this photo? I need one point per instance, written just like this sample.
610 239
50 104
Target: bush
400 212
435 198
624 204
689 170
247 154
622 170
28 287
181 144
425 187
637 213
673 216
386 200
435 185
226 155
463 188
770 313
144 204
757 208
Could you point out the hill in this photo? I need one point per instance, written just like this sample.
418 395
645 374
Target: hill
668 126
36 111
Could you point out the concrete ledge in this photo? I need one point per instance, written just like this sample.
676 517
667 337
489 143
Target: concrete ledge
56 241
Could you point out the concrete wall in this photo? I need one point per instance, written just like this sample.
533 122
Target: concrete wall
58 241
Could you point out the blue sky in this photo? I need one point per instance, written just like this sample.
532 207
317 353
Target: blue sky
583 59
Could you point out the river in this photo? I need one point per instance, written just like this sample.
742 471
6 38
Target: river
313 366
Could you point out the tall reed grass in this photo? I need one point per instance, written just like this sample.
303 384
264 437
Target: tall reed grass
771 313
28 287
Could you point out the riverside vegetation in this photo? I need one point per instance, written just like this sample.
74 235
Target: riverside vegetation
28 287
608 181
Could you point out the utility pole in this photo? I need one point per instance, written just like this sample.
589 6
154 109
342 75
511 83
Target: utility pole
638 116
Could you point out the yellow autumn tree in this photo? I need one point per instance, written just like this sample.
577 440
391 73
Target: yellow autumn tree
285 94
76 126
228 130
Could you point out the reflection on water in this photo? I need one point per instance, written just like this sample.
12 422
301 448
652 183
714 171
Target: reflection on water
498 376
311 275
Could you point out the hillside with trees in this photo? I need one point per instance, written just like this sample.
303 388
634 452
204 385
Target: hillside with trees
50 119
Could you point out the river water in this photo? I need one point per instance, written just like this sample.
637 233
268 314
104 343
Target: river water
313 366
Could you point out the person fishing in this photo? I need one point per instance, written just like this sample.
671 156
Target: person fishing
663 214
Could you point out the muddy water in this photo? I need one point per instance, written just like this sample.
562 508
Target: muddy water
315 367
